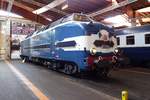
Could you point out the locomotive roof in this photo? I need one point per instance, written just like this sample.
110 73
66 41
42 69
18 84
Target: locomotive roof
71 17
135 30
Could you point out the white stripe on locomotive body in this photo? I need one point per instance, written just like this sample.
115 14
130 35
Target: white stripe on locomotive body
88 43
139 40
82 41
77 22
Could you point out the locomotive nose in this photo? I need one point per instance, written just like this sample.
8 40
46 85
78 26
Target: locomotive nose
103 44
105 39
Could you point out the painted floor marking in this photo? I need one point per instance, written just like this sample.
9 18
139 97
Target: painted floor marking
91 89
138 72
27 82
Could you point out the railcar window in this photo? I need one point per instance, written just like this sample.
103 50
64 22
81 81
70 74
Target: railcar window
130 40
118 41
147 38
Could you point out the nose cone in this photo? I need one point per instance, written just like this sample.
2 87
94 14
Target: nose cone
105 39
104 35
95 27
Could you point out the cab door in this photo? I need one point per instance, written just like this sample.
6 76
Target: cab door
53 51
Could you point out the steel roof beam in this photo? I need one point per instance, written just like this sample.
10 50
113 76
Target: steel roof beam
18 4
51 6
34 3
41 5
27 8
26 12
10 4
110 8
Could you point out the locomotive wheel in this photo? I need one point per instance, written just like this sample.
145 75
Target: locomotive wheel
70 69
54 66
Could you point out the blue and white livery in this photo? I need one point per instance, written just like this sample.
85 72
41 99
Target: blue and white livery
135 43
72 44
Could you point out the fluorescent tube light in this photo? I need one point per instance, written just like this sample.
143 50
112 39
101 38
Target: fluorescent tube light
8 14
64 7
147 9
51 5
118 20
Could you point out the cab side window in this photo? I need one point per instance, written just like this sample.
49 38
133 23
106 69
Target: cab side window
130 40
147 38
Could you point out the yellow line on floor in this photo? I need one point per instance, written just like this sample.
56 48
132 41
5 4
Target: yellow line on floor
28 83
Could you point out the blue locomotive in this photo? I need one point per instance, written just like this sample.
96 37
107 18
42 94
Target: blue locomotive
72 44
134 43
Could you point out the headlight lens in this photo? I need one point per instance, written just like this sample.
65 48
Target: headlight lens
116 50
93 51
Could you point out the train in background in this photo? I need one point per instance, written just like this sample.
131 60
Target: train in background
73 44
134 43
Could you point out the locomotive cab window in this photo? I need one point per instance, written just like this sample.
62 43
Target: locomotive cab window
147 38
83 18
118 41
130 40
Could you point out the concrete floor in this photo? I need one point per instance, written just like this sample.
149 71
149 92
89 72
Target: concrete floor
57 86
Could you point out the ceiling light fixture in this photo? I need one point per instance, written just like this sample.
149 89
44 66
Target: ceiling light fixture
49 19
9 14
114 2
39 11
65 7
145 19
147 9
118 20
51 5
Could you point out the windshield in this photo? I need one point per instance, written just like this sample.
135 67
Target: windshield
83 18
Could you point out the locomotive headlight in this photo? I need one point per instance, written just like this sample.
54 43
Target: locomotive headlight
116 50
93 51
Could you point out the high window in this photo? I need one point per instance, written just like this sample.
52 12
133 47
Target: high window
130 40
147 38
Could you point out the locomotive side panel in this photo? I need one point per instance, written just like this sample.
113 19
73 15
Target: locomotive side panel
25 48
41 45
67 46
60 43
